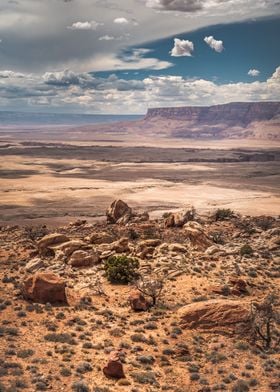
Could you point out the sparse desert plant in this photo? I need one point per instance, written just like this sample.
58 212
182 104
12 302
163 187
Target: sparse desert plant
265 320
223 214
246 250
121 269
151 286
80 386
264 222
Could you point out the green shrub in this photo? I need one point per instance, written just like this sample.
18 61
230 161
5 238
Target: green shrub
246 250
223 214
121 269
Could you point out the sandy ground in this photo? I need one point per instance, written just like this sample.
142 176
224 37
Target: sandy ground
47 190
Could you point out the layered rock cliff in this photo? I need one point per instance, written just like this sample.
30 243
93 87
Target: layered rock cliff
232 120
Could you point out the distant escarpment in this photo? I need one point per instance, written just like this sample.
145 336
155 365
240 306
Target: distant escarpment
232 120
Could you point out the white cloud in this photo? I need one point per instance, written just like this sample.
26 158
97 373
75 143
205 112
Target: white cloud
182 48
121 21
217 45
10 74
85 25
253 72
106 38
68 90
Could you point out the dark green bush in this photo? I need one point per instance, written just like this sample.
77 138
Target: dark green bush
121 269
246 250
223 214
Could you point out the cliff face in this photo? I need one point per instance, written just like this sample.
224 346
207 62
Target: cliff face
232 114
237 120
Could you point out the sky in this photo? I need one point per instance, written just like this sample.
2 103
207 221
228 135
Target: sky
124 56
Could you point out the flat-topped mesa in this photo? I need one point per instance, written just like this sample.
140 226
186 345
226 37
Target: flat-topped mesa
238 113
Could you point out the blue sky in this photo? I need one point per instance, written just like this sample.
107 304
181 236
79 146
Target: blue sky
124 56
250 44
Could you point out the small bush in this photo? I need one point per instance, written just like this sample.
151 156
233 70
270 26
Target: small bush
121 269
60 338
246 250
80 386
223 214
240 386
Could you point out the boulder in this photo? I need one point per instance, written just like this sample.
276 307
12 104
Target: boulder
34 265
137 301
197 236
101 238
44 287
81 258
141 217
177 248
274 243
216 315
50 240
239 286
178 219
67 248
118 212
120 246
114 367
146 248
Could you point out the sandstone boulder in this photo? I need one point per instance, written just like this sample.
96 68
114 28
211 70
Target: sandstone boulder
67 248
197 236
120 246
114 367
146 248
81 258
137 301
101 238
216 315
118 212
34 265
50 240
239 286
178 219
44 287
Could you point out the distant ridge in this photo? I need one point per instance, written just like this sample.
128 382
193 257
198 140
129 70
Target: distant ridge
235 113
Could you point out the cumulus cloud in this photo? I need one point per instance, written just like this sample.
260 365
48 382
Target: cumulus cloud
182 48
253 72
66 90
10 74
214 44
85 25
121 21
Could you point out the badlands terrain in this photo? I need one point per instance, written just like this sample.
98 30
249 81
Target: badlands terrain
142 255
206 317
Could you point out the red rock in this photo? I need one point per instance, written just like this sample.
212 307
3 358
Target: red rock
137 301
114 367
45 287
239 286
215 314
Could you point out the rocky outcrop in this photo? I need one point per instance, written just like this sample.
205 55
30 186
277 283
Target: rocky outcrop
114 367
178 219
235 113
81 258
118 212
34 265
197 236
45 287
215 315
50 240
137 301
